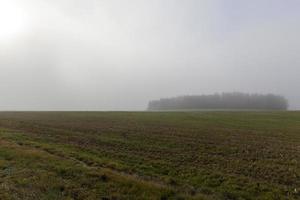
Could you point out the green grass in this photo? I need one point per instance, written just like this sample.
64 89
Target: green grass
150 155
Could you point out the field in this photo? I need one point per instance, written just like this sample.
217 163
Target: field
149 155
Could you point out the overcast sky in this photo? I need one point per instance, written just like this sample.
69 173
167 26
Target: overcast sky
118 55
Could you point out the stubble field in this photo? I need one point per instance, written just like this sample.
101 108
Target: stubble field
149 155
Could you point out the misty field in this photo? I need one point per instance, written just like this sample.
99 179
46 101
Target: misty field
150 155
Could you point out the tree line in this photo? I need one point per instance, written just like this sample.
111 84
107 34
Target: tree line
230 101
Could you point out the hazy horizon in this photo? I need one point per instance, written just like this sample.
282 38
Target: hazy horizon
117 55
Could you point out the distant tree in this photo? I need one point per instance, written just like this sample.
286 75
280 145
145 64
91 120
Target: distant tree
235 100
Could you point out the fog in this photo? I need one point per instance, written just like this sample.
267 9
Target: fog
118 55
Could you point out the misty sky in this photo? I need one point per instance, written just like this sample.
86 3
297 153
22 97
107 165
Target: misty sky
117 55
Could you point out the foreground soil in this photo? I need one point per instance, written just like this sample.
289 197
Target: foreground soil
144 155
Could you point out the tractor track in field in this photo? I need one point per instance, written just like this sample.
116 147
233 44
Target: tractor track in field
93 166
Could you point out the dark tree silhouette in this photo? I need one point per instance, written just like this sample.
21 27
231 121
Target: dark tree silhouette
234 101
